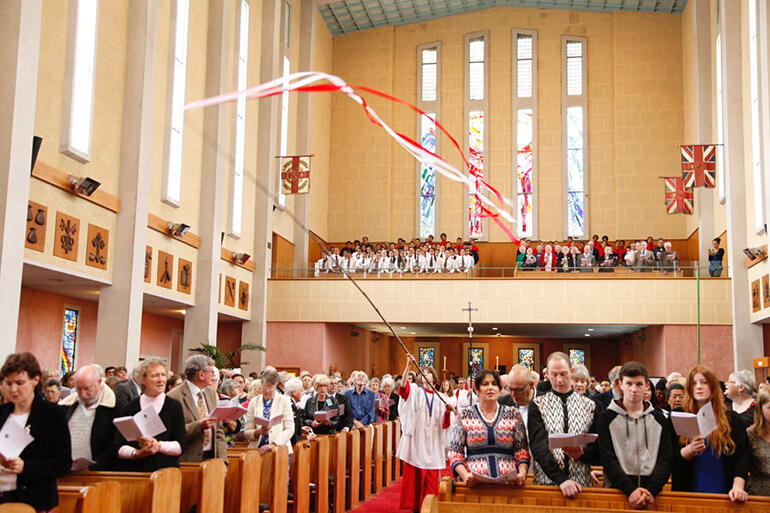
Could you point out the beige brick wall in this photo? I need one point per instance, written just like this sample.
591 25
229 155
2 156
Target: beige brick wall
636 121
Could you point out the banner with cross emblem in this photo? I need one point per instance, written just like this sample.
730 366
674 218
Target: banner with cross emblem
295 174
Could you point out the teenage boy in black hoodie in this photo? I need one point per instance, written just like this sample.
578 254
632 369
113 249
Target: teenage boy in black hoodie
635 441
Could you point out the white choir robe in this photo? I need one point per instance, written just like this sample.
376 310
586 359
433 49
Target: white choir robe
452 264
422 437
422 263
409 266
320 265
383 264
356 262
345 264
468 262
332 262
367 264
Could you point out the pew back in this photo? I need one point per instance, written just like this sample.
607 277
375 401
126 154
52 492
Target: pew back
96 498
16 507
243 477
274 479
319 471
203 486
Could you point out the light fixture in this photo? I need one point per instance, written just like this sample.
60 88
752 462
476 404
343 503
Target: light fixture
241 258
587 335
413 332
178 229
83 185
494 329
590 329
403 327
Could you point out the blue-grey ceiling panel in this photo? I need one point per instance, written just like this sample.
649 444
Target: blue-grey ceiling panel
345 16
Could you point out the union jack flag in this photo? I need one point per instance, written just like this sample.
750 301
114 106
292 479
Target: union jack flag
679 197
699 164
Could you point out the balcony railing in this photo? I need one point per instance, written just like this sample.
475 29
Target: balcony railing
688 269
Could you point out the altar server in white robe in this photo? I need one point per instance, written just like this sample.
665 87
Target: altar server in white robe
424 417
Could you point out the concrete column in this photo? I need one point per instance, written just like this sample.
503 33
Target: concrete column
267 144
19 54
747 337
701 11
200 322
119 323
304 128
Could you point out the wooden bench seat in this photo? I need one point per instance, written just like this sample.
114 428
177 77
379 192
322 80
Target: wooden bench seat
16 507
479 498
95 498
353 467
300 478
203 486
157 492
244 474
319 474
338 450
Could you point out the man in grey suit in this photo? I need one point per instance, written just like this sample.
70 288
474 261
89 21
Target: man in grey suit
205 434
128 390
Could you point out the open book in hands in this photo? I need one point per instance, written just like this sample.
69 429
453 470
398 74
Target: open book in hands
321 416
266 424
691 425
145 424
563 440
502 479
228 410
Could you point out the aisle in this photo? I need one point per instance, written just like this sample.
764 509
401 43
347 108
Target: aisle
384 502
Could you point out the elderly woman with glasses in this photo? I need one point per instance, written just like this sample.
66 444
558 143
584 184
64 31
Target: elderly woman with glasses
266 406
322 401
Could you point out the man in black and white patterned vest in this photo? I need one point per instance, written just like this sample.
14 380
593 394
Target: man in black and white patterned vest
561 411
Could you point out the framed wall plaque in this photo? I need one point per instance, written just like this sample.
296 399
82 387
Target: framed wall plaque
765 291
37 219
67 237
184 284
97 251
230 291
165 269
756 299
243 295
147 264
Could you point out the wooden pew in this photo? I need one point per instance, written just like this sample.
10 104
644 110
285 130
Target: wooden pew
203 486
319 473
243 477
95 498
158 492
377 456
366 443
300 478
388 447
478 499
16 507
338 447
396 440
353 466
431 504
274 480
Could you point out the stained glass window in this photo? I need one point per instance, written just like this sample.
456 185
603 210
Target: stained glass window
577 356
475 361
69 339
524 170
527 357
476 159
574 137
428 100
427 356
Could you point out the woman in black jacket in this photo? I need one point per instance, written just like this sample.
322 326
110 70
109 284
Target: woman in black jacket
31 476
322 401
720 462
163 450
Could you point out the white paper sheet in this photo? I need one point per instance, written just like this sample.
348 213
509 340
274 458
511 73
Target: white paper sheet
504 479
685 424
268 423
341 409
707 422
384 402
562 440
13 439
146 423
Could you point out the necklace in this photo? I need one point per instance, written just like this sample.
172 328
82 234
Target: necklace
492 420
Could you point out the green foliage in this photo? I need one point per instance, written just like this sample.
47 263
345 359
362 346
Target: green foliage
225 359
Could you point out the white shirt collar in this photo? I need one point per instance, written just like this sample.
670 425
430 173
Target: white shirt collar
194 389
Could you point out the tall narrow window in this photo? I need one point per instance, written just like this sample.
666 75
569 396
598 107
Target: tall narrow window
428 100
69 339
284 127
525 128
476 107
78 111
721 166
172 182
236 191
574 103
756 120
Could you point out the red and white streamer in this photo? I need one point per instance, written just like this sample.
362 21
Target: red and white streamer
493 204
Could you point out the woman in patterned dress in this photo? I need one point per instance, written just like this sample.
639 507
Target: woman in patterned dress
471 451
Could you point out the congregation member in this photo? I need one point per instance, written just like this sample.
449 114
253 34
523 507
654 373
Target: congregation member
89 413
52 390
322 401
30 478
294 391
720 462
337 391
635 441
759 446
675 396
163 450
268 405
362 401
388 389
739 389
522 386
173 381
205 435
128 389
489 439
562 411
421 448
381 401
716 255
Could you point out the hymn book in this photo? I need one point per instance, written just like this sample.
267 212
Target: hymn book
503 479
145 424
691 425
321 416
562 440
268 423
228 410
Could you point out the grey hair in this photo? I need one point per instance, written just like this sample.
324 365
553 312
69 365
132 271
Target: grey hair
99 369
283 377
227 386
375 380
292 385
614 374
53 382
196 363
746 379
143 367
270 377
528 373
388 381
320 379
581 372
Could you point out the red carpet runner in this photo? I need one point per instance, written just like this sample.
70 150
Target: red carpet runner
387 501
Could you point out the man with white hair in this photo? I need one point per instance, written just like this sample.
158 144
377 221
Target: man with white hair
670 258
89 413
519 381
362 401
